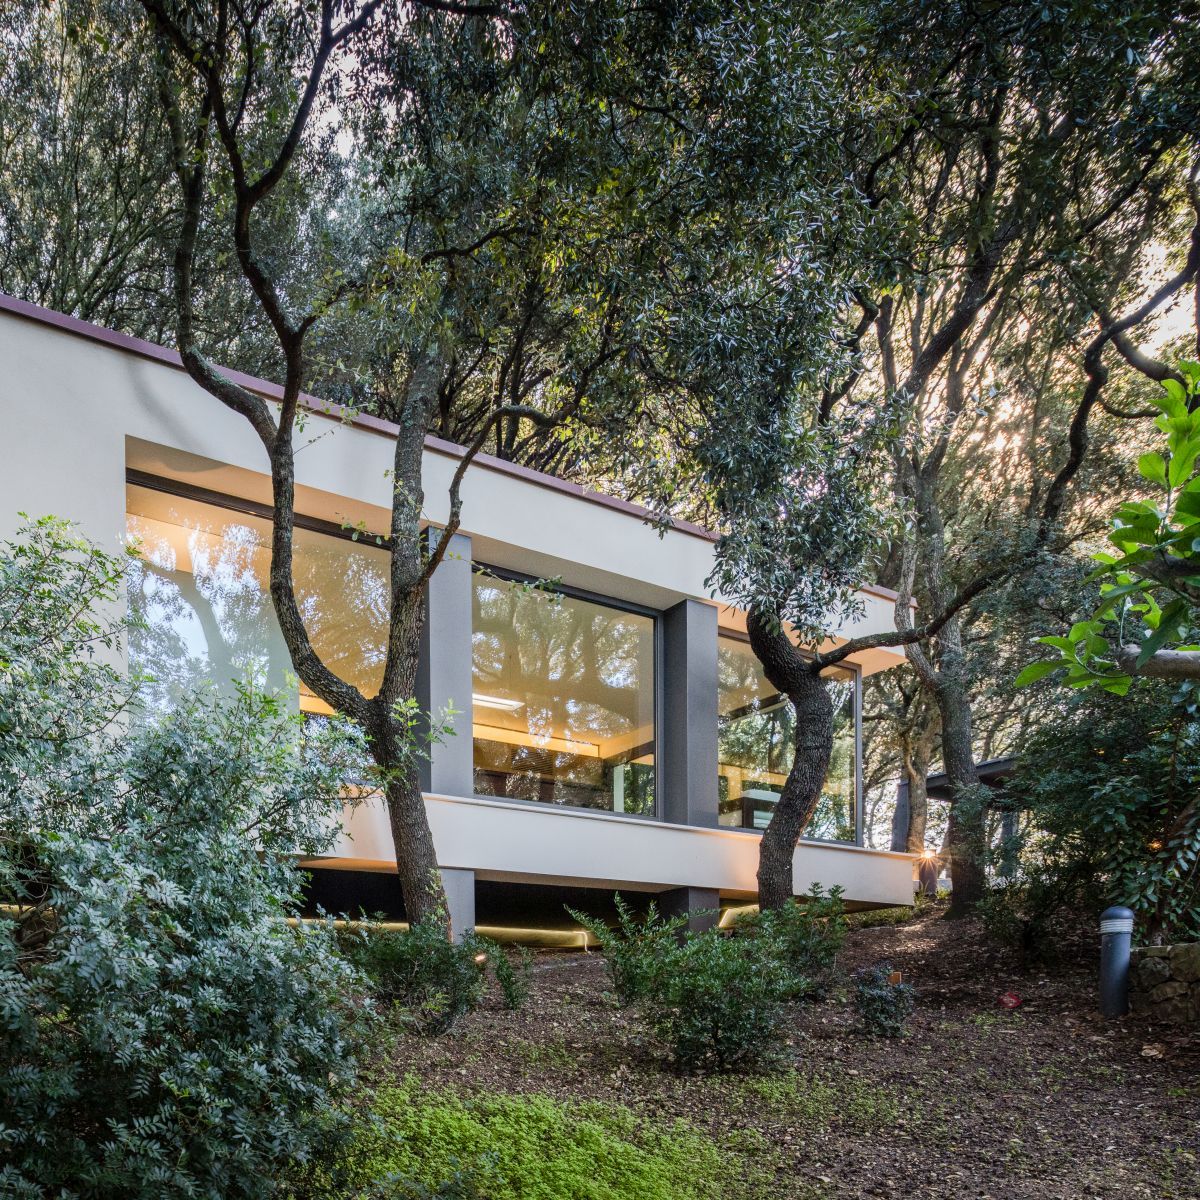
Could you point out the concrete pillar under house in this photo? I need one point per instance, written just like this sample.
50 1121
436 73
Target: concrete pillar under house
460 899
702 906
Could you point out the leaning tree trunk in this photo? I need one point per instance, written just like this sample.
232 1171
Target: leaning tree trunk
793 675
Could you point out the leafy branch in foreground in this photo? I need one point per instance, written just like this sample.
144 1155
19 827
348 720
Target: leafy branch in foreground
1146 621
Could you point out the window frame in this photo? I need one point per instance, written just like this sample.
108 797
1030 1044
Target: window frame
250 508
736 635
507 575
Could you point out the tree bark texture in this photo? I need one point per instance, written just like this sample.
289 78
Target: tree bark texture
794 676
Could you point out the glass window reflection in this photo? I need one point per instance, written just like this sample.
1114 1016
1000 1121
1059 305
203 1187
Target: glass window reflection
563 698
201 587
756 730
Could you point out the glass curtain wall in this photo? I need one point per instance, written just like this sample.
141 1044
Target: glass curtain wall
563 698
201 587
756 728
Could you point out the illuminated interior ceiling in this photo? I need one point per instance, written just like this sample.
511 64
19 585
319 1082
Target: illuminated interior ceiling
743 686
561 673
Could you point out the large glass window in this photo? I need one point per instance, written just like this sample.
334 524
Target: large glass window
563 698
201 587
756 728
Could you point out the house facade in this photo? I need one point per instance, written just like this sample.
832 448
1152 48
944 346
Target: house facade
612 728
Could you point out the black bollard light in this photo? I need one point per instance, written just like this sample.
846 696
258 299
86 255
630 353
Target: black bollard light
1116 932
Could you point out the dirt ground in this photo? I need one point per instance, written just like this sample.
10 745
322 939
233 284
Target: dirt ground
1046 1101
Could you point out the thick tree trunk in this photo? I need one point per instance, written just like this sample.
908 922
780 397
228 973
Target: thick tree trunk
417 867
398 751
792 674
965 830
916 770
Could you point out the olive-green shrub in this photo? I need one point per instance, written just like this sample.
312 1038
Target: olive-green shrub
803 938
512 969
716 1001
164 1031
883 1006
634 947
431 981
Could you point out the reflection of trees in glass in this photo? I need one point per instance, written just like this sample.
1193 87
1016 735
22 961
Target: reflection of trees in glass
215 622
582 674
756 738
835 815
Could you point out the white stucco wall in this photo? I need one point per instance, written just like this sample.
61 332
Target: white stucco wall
535 842
78 412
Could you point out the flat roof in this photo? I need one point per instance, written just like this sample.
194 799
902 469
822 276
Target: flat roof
434 445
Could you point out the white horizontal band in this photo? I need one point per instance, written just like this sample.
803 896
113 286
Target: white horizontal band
1117 925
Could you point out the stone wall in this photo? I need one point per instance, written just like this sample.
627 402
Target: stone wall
1164 983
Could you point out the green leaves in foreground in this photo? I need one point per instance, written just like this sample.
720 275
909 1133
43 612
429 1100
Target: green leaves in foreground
537 1148
1150 588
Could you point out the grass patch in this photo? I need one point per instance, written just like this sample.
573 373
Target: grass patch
817 1102
553 1054
534 1147
873 918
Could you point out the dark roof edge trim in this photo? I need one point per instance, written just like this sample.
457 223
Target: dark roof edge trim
436 445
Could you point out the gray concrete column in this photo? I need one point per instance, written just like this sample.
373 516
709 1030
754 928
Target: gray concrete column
701 906
460 899
687 775
444 670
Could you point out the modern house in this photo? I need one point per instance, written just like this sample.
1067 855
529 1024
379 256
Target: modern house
614 728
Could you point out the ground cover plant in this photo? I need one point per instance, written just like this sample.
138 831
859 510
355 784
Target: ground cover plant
537 1147
1032 1103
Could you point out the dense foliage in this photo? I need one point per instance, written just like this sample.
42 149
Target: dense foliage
432 982
1108 816
1149 594
164 1031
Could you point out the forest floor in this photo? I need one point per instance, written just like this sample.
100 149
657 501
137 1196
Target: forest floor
1045 1102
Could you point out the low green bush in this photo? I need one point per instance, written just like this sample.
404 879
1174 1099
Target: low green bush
432 982
512 969
533 1147
716 1001
883 1006
804 939
634 948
